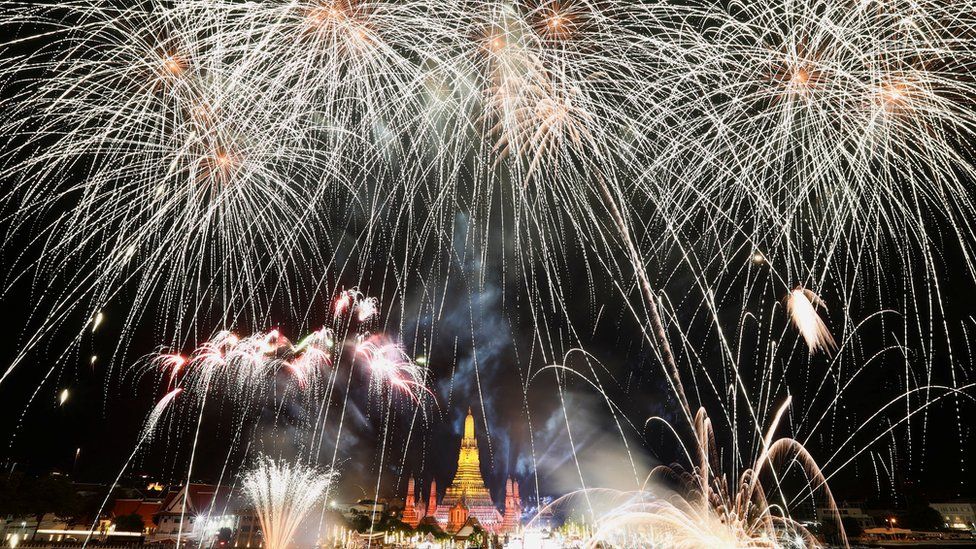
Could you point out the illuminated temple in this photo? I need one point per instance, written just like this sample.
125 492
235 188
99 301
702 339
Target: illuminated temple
467 499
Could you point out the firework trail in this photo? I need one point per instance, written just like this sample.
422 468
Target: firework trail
738 480
149 428
704 512
146 436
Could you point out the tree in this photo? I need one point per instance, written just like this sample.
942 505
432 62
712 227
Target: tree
130 523
852 527
477 536
830 529
12 492
921 517
52 494
360 523
20 495
392 524
430 526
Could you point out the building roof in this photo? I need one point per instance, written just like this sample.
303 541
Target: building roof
467 529
144 508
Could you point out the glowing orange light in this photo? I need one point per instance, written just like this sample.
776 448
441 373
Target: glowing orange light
324 18
173 65
893 93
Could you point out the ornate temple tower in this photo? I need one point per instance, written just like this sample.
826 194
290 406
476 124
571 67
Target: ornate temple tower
510 520
432 499
467 497
468 486
410 515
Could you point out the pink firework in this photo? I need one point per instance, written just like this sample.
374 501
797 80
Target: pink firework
311 356
346 299
355 302
366 309
389 365
173 363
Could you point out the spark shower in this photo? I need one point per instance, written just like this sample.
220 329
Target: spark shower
769 198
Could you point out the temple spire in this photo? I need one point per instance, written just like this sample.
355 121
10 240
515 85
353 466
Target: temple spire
469 426
467 496
410 514
432 502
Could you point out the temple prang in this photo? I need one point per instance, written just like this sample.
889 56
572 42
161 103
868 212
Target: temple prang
467 496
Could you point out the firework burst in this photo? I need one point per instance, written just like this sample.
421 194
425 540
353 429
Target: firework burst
390 366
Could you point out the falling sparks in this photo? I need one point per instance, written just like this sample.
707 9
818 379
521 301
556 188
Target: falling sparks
233 141
802 306
97 321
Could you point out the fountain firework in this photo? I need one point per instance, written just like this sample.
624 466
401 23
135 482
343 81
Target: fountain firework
700 507
283 494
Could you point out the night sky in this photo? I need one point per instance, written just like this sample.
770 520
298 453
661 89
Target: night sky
486 323
488 339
